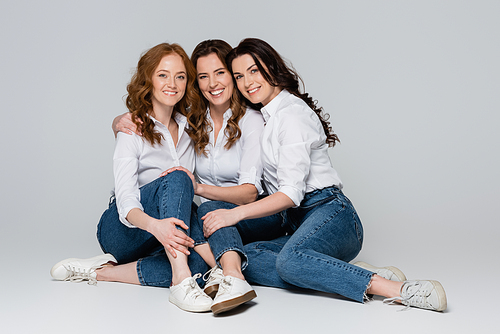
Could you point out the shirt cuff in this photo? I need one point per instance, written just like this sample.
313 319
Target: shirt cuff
293 193
125 209
250 177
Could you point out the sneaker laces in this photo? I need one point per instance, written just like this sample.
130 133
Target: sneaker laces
78 274
213 274
411 295
225 284
193 289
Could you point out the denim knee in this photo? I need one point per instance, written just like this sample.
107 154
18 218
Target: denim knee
286 265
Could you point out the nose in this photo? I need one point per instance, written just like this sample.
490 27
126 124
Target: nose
212 82
171 81
248 81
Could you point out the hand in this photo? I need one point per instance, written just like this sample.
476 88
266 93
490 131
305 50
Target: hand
191 176
217 219
124 123
170 237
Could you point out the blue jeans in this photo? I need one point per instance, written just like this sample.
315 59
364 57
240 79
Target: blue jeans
232 238
325 234
169 196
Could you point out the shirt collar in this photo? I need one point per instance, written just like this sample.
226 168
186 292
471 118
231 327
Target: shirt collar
227 115
180 119
270 109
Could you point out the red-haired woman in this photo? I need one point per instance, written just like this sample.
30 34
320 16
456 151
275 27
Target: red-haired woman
145 231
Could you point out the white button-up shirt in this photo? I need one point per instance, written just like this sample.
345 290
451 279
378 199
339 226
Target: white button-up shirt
294 150
241 163
136 163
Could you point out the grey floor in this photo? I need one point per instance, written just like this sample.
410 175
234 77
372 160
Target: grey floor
31 302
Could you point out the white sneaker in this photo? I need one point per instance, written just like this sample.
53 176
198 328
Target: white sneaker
188 296
390 273
215 276
232 292
429 295
77 270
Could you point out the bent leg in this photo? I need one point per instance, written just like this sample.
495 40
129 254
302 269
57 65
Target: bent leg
317 255
261 267
133 245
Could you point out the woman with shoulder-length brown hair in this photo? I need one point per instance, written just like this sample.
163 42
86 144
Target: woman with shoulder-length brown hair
146 232
228 169
324 230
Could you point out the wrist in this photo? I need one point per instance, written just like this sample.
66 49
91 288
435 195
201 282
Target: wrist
200 189
239 213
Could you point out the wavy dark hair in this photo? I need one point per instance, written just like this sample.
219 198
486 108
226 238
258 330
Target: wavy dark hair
140 89
199 126
279 74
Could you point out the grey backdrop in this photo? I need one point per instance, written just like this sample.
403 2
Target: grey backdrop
412 88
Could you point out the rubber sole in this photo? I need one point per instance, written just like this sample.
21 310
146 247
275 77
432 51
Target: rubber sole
232 303
189 308
211 291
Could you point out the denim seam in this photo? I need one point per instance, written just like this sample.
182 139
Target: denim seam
139 272
201 242
344 266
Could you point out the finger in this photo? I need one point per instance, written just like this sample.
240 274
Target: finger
183 239
180 223
181 248
171 251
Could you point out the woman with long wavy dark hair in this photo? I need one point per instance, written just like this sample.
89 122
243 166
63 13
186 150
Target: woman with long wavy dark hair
146 231
325 232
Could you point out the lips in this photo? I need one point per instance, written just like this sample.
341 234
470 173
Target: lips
169 93
251 91
216 92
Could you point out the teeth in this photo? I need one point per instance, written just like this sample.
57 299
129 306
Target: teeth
217 92
169 93
253 90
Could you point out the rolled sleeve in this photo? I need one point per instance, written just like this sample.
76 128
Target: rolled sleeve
125 168
294 154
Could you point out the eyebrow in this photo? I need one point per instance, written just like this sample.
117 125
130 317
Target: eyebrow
162 70
246 69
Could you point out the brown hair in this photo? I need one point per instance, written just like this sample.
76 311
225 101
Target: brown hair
279 74
199 126
140 89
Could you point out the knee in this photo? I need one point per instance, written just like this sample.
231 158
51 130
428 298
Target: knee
178 178
207 207
285 265
178 175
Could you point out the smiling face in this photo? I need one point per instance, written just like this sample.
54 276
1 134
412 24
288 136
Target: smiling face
250 81
169 81
215 81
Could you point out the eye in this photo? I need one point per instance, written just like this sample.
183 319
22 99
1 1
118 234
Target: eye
238 76
254 70
221 73
181 77
201 77
162 75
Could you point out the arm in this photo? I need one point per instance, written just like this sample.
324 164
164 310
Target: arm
267 206
123 123
239 195
125 167
164 230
